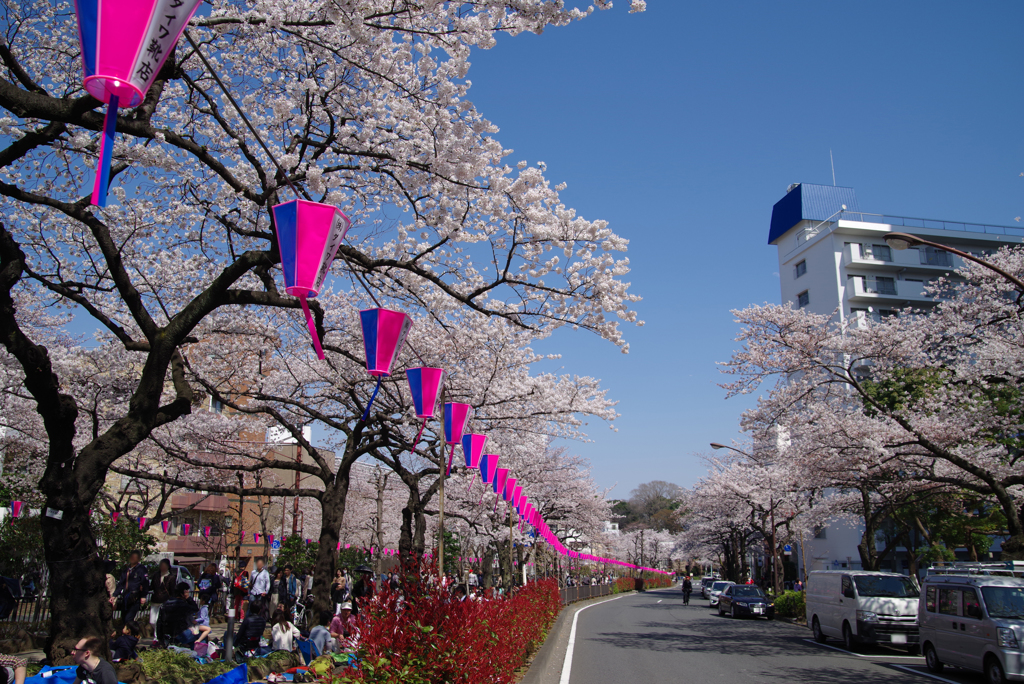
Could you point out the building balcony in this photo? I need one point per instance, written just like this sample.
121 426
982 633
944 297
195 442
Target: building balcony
197 544
867 288
891 259
214 503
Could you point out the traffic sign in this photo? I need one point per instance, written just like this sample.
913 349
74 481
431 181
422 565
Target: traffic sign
276 544
787 550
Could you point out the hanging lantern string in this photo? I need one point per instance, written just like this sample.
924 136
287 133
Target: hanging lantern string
366 413
231 99
99 188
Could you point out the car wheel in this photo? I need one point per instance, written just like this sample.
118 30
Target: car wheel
994 671
819 636
931 659
720 613
734 614
849 641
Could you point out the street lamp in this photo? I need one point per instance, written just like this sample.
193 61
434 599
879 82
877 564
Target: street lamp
902 241
771 506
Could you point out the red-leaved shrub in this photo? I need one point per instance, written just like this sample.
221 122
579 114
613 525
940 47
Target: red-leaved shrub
429 637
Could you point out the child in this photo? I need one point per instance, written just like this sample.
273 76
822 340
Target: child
202 619
123 647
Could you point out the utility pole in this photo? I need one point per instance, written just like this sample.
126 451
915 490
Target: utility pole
440 524
803 555
381 483
511 570
295 508
775 555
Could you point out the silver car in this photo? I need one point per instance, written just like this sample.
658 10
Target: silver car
975 622
716 590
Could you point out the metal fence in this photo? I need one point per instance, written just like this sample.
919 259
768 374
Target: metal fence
32 611
582 593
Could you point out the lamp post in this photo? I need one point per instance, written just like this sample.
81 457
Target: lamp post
902 241
771 509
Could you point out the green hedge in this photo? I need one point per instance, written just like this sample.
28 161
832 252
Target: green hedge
791 605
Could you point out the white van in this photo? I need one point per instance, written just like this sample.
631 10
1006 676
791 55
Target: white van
862 607
976 622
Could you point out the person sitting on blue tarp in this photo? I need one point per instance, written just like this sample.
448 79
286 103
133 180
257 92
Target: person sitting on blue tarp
175 621
247 639
122 646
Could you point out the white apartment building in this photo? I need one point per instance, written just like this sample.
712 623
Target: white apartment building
833 258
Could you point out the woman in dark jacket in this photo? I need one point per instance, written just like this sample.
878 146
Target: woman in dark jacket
250 630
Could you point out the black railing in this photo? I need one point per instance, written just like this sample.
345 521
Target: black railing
582 593
29 611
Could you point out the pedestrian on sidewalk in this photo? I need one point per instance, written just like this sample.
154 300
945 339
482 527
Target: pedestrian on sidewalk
162 582
260 588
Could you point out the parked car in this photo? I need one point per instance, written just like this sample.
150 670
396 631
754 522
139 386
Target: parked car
717 588
745 600
975 622
705 585
862 607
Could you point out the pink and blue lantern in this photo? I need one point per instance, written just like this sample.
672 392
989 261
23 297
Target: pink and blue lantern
499 484
142 523
185 529
508 489
165 526
15 510
425 386
456 417
308 237
124 44
488 470
384 334
472 451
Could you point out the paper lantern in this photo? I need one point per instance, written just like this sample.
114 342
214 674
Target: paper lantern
165 526
185 528
499 484
256 537
308 237
15 510
142 523
115 515
516 496
124 44
241 536
384 333
270 538
456 417
472 451
206 531
488 469
508 488
425 387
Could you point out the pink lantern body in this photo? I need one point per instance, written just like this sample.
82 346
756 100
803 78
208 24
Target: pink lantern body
309 234
16 509
308 237
507 488
115 515
488 467
499 479
516 496
165 526
206 531
456 417
384 333
185 529
473 449
425 386
256 537
124 44
142 523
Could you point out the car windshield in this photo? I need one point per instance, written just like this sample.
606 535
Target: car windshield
748 591
898 587
719 586
1004 602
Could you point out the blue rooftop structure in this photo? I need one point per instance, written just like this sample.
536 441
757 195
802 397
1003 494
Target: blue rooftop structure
809 202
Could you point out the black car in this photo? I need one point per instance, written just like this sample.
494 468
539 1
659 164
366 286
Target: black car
745 600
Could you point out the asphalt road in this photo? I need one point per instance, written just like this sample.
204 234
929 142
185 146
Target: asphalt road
652 637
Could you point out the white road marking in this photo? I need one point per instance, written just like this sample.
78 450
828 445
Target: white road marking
567 663
862 655
659 600
925 674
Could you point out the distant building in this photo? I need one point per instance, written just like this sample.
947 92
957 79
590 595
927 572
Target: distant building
833 258
609 527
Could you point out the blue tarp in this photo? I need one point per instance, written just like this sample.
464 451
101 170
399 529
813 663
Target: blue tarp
239 675
54 675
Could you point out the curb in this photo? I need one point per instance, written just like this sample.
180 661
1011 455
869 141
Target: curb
546 667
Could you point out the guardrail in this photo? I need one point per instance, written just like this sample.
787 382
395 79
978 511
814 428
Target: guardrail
584 592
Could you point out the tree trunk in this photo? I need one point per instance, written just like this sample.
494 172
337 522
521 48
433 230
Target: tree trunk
332 514
78 596
487 569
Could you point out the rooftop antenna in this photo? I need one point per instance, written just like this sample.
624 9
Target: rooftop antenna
833 166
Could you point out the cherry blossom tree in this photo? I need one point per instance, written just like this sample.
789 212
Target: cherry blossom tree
933 396
361 105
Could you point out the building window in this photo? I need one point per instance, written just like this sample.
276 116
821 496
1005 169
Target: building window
880 252
935 257
800 269
216 405
802 299
821 533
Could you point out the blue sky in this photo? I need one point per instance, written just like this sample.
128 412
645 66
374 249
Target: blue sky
683 125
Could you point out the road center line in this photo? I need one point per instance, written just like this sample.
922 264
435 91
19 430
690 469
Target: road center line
567 663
